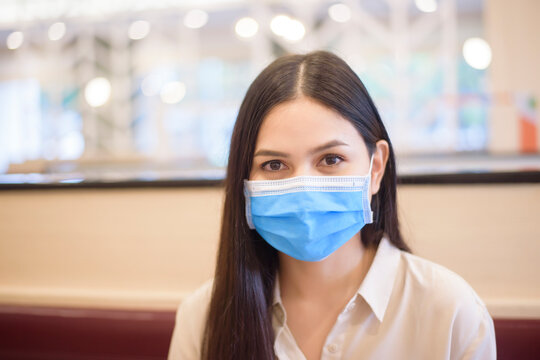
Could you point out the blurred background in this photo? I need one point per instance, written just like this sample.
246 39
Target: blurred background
115 122
152 88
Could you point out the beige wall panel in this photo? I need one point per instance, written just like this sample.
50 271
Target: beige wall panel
125 247
149 247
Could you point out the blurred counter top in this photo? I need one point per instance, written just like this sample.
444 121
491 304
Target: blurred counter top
412 170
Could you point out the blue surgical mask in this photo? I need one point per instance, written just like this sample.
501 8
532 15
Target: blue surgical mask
308 217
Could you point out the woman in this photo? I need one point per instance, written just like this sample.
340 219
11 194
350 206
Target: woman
311 262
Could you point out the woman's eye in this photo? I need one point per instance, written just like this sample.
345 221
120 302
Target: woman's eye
273 165
330 160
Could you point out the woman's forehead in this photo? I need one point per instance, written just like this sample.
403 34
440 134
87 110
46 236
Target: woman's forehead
304 121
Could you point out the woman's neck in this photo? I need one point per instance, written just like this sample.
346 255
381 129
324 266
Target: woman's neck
327 280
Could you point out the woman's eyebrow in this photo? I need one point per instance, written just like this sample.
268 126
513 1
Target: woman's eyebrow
330 144
264 152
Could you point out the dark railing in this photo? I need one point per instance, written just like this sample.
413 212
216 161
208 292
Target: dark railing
30 333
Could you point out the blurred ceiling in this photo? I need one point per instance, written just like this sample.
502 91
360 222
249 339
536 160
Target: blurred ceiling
23 13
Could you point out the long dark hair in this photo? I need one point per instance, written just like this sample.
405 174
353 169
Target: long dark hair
239 323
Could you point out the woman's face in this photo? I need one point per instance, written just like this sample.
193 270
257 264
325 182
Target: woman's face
303 137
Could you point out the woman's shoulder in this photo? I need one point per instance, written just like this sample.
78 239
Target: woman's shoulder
439 282
199 299
443 299
190 322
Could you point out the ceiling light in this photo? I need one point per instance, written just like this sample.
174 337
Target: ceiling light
477 53
195 19
173 92
340 13
57 31
14 40
290 29
427 6
97 92
246 27
139 29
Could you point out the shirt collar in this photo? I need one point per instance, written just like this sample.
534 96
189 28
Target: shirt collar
379 281
277 291
376 287
278 309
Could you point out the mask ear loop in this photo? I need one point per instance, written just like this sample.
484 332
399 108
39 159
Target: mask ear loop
375 198
369 173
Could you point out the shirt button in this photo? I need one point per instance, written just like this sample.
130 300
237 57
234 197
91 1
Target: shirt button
332 348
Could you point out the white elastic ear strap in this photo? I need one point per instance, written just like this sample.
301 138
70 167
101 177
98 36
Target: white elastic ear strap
369 174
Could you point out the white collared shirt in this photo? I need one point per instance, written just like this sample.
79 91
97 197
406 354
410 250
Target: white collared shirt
406 308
